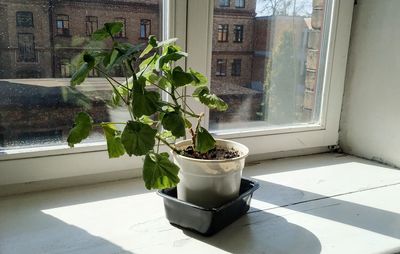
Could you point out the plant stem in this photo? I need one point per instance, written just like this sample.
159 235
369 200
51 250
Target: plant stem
173 148
115 89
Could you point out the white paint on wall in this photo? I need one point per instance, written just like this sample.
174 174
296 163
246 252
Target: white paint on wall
370 123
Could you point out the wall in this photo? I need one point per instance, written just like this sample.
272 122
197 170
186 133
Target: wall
370 123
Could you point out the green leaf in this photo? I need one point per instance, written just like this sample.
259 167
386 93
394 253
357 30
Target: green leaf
146 50
174 122
116 99
174 56
153 41
138 138
146 120
83 70
198 78
80 131
167 135
202 94
100 34
204 141
114 27
181 78
167 42
159 172
188 124
144 102
115 147
109 29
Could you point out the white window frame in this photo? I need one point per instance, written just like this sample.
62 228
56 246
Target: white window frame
195 36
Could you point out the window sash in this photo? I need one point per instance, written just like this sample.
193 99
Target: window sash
39 164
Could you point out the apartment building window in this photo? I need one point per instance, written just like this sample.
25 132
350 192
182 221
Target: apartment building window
26 47
145 28
121 34
238 32
239 3
24 19
65 68
62 25
91 24
221 67
223 33
224 3
236 67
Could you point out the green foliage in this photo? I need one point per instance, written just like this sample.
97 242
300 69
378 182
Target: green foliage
204 141
115 147
138 138
80 131
202 94
159 172
149 70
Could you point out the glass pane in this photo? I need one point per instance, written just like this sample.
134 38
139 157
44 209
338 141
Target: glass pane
38 45
268 66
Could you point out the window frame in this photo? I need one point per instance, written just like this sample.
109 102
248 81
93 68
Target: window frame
18 24
238 34
20 59
221 67
236 62
65 30
89 24
144 23
226 3
122 33
242 4
46 163
223 32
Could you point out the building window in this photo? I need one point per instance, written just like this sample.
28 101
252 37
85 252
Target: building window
24 19
121 34
26 47
62 25
238 31
236 67
145 28
65 68
91 25
239 3
221 67
223 33
224 3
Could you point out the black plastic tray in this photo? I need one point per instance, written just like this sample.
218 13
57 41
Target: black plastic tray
207 221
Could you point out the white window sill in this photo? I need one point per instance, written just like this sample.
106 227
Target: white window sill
325 203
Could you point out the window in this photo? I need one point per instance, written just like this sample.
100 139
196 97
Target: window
65 70
256 96
24 19
224 3
91 24
238 32
62 25
145 28
223 33
221 67
121 34
239 3
26 47
236 67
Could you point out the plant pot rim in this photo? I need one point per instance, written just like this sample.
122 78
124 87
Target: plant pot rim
243 149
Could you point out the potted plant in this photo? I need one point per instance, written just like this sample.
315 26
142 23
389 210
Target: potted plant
208 171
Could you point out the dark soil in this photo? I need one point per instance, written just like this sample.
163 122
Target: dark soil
217 153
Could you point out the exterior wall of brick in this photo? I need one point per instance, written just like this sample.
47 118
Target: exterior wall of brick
9 39
313 54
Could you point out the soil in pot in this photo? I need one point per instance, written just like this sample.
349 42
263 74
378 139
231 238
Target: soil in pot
217 153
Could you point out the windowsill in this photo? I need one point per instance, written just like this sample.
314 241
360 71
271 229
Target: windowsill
329 202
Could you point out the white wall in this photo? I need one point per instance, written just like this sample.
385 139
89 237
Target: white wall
370 124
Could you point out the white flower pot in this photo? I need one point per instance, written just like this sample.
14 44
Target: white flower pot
210 183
